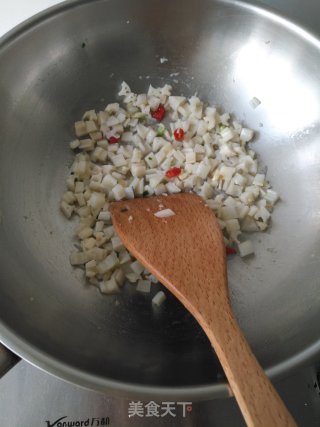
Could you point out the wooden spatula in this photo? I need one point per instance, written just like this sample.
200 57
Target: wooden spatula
186 252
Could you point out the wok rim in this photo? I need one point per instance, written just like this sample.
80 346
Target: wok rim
52 365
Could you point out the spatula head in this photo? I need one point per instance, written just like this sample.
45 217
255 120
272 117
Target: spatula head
186 251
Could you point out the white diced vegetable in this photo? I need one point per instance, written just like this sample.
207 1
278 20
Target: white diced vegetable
172 188
96 200
109 286
255 102
263 214
119 277
165 213
136 267
190 157
202 170
104 216
259 180
132 277
271 196
151 160
110 262
108 182
136 156
228 212
116 243
118 192
159 298
245 248
69 197
246 134
80 129
66 209
144 286
85 233
91 126
129 193
77 258
118 160
232 225
206 190
155 180
74 144
109 232
124 256
86 144
226 134
138 170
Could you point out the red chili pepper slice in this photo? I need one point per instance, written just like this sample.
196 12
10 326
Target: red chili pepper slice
171 173
178 134
230 250
159 113
113 140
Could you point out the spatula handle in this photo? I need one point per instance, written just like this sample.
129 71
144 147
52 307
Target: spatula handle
260 404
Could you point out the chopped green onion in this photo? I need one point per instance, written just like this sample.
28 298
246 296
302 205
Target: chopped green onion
160 131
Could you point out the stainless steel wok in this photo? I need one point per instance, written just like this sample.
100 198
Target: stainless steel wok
72 58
